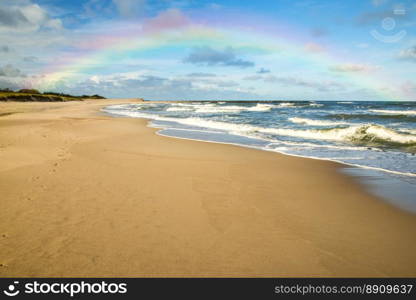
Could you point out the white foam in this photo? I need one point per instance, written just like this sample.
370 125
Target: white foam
221 109
337 134
233 108
394 112
194 105
179 109
282 151
351 133
314 122
261 107
286 104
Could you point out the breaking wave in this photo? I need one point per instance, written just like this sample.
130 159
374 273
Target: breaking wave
314 122
394 112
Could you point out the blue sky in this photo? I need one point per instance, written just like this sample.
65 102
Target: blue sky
186 49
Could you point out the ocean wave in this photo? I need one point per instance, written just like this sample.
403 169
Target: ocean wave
213 110
286 104
179 109
394 112
360 134
369 134
372 117
233 108
261 107
314 122
193 104
298 104
316 105
407 130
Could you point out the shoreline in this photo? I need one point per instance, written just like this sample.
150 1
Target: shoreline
377 181
354 171
226 220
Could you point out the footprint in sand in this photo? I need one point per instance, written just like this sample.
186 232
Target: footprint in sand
54 169
35 178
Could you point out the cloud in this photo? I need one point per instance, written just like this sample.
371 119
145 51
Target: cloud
130 8
409 89
254 77
369 18
319 32
92 8
27 18
323 86
156 87
214 6
12 18
200 74
263 71
216 83
166 20
379 2
314 48
212 57
145 82
30 59
408 54
353 68
10 71
4 49
6 83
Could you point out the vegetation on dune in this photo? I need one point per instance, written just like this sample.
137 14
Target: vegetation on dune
29 91
26 95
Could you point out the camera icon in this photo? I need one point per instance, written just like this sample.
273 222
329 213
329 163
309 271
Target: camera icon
11 290
389 24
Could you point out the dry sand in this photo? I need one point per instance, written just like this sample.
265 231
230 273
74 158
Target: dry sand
84 194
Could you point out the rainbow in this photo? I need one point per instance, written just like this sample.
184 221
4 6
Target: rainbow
172 29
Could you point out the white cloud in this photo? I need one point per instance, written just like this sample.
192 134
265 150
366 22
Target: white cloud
408 54
10 71
213 57
379 2
34 14
54 24
354 68
27 17
323 85
409 89
130 8
314 48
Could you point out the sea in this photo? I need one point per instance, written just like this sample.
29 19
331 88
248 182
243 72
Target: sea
376 141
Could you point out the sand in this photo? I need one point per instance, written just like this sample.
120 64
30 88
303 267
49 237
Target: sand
85 194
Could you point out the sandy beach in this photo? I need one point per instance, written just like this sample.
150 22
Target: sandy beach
86 194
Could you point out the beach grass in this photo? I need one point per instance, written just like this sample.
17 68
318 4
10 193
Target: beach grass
27 95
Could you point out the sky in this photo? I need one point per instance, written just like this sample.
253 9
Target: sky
205 50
